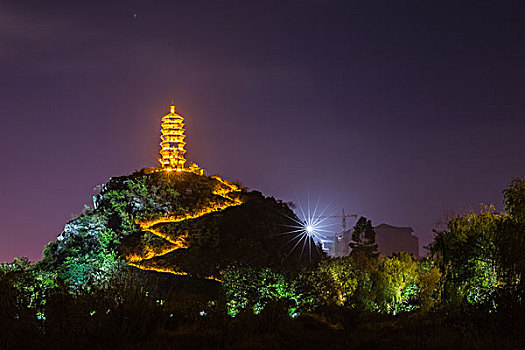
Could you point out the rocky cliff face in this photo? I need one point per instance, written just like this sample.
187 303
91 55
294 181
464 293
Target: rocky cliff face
176 222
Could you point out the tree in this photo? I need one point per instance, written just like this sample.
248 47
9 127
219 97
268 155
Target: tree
397 285
510 240
253 289
467 252
483 254
515 199
363 241
341 276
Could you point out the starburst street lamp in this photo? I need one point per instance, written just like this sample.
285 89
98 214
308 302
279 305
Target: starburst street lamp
310 228
313 228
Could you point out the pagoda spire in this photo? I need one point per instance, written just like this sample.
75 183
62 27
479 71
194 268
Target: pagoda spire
172 141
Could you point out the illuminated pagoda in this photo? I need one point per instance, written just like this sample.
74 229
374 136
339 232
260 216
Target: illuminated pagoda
172 144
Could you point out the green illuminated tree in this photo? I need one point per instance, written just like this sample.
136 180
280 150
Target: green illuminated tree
467 250
341 275
398 284
251 289
483 254
510 240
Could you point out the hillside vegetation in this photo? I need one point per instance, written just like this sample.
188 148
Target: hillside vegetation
176 222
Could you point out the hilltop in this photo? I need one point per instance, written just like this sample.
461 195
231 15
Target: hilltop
183 223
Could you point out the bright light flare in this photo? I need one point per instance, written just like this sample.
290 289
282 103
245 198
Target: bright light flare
312 228
308 231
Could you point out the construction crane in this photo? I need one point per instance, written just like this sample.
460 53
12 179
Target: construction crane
338 248
343 218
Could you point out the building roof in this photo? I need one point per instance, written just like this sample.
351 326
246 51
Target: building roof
387 226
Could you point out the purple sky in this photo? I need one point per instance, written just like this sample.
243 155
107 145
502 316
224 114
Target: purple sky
396 110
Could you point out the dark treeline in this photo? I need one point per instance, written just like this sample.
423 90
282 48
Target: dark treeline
467 294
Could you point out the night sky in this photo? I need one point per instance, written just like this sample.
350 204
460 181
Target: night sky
400 111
